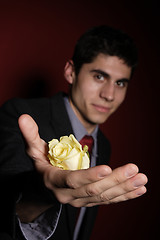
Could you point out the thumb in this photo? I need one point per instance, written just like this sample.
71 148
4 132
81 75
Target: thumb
36 147
29 130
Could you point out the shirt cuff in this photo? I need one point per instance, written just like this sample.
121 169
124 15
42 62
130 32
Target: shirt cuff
42 227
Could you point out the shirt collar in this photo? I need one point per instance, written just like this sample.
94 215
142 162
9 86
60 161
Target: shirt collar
78 129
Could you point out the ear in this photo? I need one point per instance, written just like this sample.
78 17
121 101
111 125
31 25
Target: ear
69 73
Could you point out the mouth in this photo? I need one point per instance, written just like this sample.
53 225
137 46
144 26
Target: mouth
101 109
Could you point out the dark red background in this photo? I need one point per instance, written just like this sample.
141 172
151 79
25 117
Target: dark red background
36 39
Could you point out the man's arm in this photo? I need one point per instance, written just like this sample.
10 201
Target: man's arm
94 186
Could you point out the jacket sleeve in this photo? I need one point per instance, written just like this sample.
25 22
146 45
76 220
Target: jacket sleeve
17 172
13 158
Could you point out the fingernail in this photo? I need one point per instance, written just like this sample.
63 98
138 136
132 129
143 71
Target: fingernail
138 183
141 191
131 171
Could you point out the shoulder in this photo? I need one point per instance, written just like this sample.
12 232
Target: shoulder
18 106
21 105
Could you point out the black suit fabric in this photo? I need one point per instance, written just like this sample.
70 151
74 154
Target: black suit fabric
17 172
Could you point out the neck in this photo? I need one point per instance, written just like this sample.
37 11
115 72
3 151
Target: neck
90 127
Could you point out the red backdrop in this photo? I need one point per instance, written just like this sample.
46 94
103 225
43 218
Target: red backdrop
36 39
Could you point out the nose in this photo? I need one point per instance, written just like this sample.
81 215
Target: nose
108 92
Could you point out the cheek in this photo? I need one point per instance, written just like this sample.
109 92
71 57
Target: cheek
91 89
120 97
87 90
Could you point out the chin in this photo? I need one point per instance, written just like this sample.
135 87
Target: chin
99 121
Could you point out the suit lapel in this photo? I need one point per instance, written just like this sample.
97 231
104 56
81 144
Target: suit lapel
59 118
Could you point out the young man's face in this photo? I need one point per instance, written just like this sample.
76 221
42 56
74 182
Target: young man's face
99 89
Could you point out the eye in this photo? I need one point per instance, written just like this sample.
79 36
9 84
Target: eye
99 77
121 83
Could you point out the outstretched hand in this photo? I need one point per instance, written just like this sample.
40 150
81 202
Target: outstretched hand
94 186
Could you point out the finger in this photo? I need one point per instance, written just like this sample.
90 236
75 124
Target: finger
116 177
118 192
128 196
79 178
82 177
121 190
68 181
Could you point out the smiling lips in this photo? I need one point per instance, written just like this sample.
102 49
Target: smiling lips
101 108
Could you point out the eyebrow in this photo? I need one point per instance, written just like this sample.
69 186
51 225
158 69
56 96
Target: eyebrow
101 72
106 75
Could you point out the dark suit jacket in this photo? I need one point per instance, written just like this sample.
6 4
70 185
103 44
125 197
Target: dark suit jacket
17 172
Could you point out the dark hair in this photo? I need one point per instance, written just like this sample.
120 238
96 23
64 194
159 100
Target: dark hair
106 40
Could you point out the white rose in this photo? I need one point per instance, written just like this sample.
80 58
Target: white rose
68 154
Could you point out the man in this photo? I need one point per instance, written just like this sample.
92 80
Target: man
39 201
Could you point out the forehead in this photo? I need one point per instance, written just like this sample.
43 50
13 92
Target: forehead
112 65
